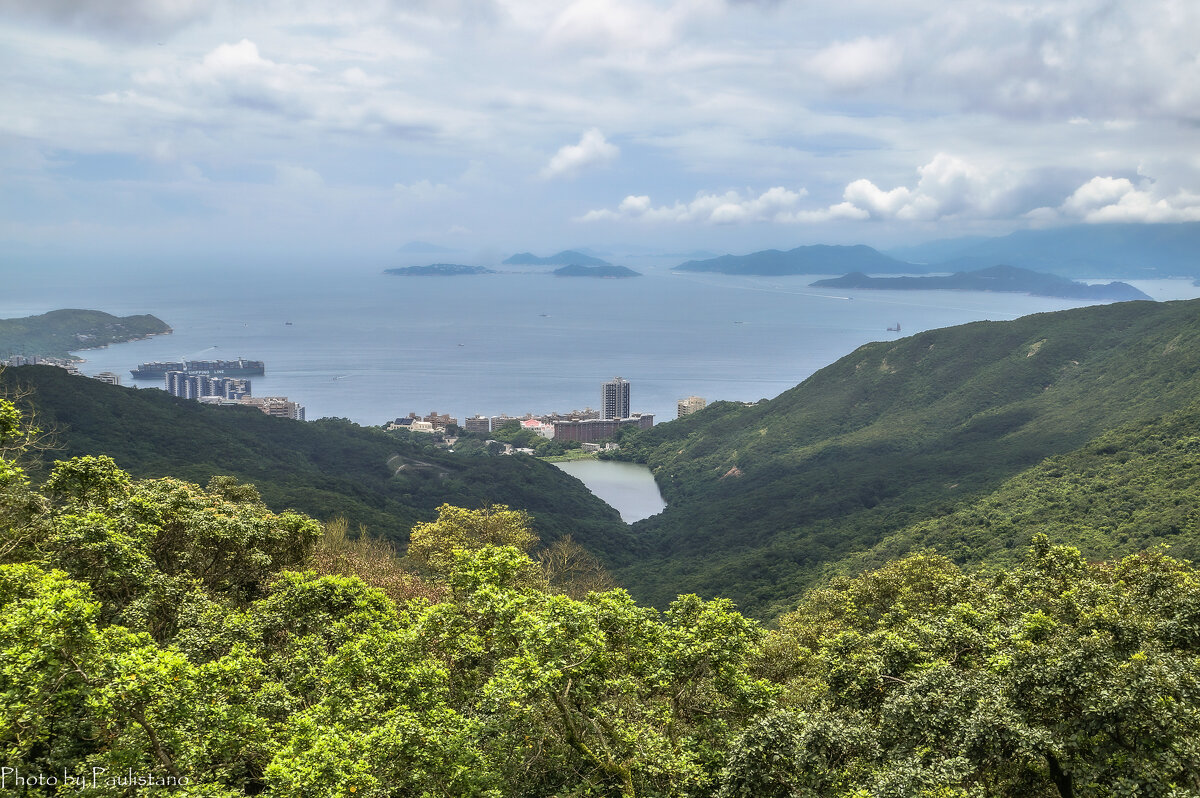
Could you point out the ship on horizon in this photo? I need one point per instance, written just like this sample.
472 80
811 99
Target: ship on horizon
227 368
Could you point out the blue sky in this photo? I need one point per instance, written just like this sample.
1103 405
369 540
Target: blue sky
492 126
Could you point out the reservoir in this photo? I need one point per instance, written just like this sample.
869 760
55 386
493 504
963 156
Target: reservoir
627 487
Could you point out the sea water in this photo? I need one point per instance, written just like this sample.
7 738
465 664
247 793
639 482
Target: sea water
350 341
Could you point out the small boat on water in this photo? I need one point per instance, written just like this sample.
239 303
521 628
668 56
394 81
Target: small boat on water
895 327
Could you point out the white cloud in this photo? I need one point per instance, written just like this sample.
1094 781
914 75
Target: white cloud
251 80
858 63
592 149
598 26
1119 199
947 187
297 178
775 204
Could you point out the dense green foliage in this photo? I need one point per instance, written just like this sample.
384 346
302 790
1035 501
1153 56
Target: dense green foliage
156 635
57 333
325 468
994 278
513 433
1132 489
1057 677
763 501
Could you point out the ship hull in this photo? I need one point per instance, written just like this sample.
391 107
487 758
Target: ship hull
215 368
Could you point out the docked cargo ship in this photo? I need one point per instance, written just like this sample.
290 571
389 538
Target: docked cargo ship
225 368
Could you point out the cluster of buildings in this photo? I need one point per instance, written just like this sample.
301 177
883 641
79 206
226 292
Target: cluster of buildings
36 360
186 385
70 366
213 390
585 426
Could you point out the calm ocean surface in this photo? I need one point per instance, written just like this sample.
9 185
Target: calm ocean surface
369 347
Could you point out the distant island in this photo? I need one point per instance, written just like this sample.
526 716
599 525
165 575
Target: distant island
59 332
995 278
815 259
568 257
438 270
607 270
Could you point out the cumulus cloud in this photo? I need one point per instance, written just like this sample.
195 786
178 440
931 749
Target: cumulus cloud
947 187
603 25
1119 199
593 149
775 204
251 80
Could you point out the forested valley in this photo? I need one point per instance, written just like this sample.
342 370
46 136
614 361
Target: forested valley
963 565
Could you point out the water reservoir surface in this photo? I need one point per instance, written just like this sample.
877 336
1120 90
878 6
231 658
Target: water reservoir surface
627 487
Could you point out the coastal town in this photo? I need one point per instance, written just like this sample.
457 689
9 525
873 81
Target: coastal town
212 383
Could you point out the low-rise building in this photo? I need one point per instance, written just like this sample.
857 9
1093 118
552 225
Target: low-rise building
278 406
478 423
593 430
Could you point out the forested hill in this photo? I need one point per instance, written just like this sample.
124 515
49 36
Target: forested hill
57 333
764 500
323 468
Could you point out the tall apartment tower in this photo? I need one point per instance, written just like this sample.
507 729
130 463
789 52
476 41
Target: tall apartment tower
615 400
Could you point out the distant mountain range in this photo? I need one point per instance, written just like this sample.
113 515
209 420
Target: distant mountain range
1144 251
1134 251
575 270
995 278
568 257
814 259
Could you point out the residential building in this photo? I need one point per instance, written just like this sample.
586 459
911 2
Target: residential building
614 401
690 405
109 377
278 406
193 386
594 430
478 423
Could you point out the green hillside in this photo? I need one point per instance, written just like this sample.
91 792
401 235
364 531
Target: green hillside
1132 489
57 333
764 501
323 468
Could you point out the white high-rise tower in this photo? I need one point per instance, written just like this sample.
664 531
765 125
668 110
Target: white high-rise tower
615 400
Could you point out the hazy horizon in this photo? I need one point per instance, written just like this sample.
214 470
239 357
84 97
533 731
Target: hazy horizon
178 130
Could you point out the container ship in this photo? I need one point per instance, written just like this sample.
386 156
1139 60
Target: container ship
225 368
